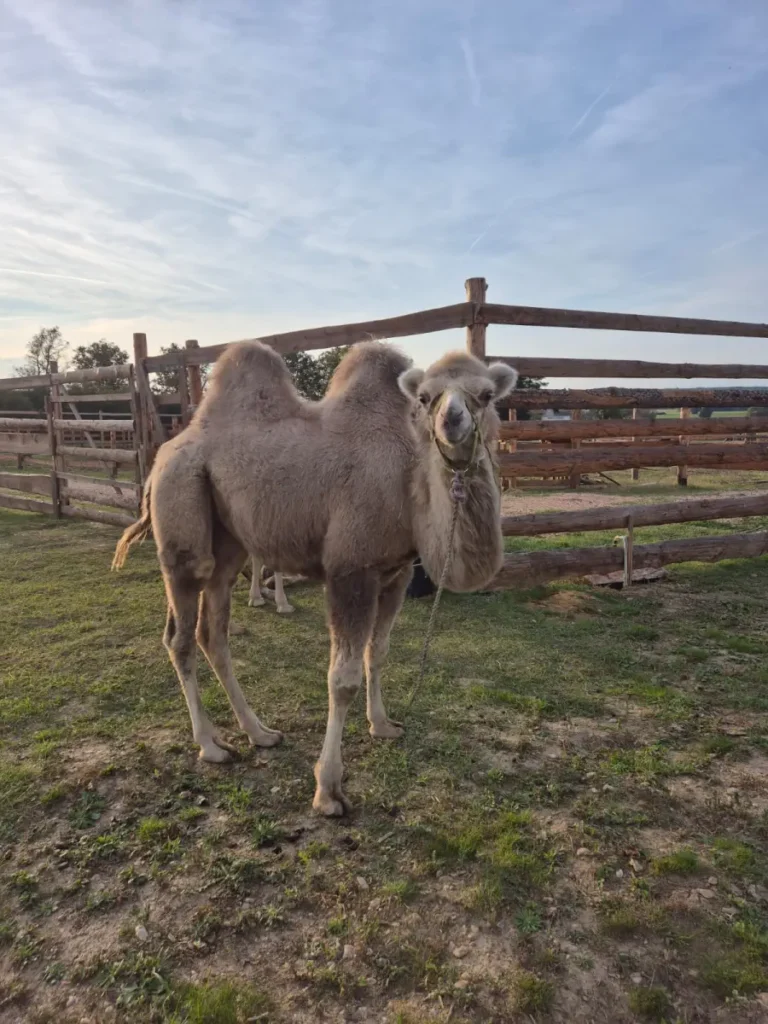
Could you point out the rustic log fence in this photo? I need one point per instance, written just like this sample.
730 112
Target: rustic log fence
530 450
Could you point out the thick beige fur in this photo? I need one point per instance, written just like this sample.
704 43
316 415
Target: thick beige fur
347 490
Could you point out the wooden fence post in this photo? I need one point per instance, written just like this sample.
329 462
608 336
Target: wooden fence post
55 489
138 428
635 472
194 377
57 412
575 478
682 471
476 288
150 421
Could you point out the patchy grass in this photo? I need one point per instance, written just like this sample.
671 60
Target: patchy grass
579 799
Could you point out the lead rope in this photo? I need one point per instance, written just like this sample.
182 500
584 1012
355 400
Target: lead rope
458 495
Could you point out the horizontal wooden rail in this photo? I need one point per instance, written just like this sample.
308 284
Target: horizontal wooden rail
95 515
426 322
540 316
103 426
711 456
102 454
44 380
638 398
30 483
26 504
531 567
101 493
615 517
125 487
17 423
569 430
104 399
541 366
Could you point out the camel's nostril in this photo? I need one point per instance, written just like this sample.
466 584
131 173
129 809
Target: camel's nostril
453 417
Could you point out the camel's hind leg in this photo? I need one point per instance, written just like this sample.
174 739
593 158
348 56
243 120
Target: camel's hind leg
255 597
390 602
213 637
182 589
351 600
284 606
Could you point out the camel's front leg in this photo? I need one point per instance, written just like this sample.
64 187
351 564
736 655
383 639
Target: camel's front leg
255 597
351 609
284 606
391 600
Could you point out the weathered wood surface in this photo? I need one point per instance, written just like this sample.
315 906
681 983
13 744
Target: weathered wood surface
541 316
105 398
476 289
616 517
600 460
30 483
100 493
18 423
44 380
426 322
95 515
529 568
102 454
639 398
26 504
541 366
567 430
25 443
97 426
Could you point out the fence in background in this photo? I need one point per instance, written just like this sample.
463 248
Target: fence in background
554 450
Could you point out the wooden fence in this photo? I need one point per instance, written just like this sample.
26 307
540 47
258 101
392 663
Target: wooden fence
554 450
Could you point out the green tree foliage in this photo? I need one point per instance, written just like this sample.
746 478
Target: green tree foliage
44 349
311 375
166 382
98 353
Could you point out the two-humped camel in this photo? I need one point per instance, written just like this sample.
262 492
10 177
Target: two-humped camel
347 490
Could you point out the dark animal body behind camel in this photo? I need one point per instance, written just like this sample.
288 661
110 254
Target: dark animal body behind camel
347 490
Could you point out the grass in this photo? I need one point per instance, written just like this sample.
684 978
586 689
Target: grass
569 780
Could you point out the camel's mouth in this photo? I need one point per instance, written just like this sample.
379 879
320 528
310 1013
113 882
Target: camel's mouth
453 423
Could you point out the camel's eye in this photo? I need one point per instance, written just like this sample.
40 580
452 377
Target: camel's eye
424 398
486 396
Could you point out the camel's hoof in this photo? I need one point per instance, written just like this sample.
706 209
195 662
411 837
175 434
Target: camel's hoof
217 753
265 738
287 609
332 805
256 602
387 730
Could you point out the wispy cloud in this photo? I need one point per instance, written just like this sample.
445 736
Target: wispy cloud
469 63
236 165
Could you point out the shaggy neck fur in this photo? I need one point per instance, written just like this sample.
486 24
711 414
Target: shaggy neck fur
477 546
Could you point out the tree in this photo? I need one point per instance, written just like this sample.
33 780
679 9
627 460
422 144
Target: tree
166 382
98 353
43 350
312 375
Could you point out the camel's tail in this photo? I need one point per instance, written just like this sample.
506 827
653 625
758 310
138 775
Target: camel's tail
139 531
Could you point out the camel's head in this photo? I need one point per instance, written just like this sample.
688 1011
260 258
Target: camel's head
456 395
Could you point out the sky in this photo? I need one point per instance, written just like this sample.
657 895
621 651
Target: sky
220 169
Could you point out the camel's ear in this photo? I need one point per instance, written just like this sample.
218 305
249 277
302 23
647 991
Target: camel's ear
409 382
504 377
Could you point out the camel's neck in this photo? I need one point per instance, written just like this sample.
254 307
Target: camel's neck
477 550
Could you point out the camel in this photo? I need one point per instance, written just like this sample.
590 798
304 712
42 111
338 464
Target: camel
392 463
